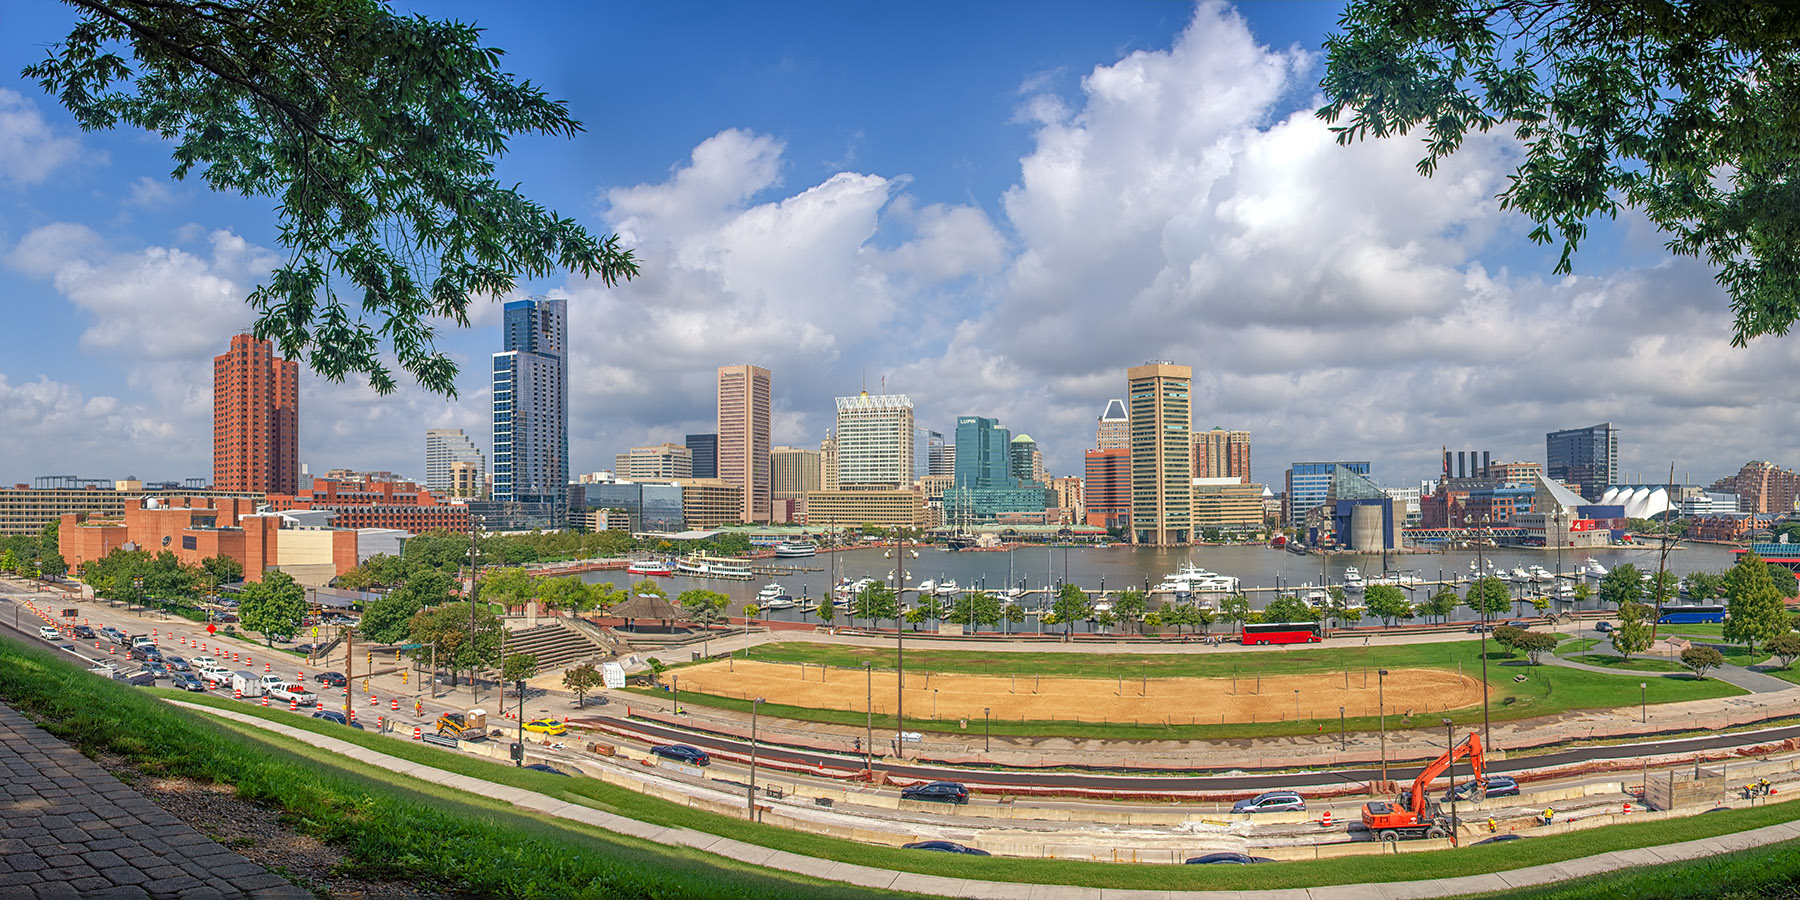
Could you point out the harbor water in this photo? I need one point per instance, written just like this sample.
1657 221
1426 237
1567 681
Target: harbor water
1263 572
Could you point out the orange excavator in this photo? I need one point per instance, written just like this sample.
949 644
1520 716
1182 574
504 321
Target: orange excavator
1413 814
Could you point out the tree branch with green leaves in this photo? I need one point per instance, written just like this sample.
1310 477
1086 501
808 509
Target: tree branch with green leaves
377 136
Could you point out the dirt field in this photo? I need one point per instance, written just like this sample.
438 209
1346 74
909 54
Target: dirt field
1175 700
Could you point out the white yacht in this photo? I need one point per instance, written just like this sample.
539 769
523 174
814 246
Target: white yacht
780 601
1594 568
927 586
1353 580
947 588
770 591
1539 573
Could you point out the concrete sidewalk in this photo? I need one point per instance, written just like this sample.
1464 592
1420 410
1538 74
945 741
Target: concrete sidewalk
68 828
868 876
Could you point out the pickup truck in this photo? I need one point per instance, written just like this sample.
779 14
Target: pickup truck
293 693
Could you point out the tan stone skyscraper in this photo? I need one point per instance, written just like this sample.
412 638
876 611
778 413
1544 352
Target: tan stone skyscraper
1162 453
744 436
1114 430
256 419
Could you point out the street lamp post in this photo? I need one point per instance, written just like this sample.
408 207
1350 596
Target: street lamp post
750 792
1381 698
869 709
987 732
1343 736
1644 702
519 688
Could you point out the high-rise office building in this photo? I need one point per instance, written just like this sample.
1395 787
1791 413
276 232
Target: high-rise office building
940 455
743 460
1106 492
1114 431
467 480
1027 462
874 440
828 464
983 453
985 486
1162 453
705 450
1222 454
531 407
1585 457
795 471
445 446
657 462
256 419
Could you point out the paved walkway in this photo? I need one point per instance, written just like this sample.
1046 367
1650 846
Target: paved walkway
869 876
68 828
1749 679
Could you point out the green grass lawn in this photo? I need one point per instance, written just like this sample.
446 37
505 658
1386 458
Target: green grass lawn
1583 645
1635 664
1546 690
396 827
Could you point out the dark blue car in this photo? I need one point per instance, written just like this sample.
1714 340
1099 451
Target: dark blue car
937 791
944 847
683 753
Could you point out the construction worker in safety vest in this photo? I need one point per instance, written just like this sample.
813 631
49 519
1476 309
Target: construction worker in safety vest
1549 815
1493 825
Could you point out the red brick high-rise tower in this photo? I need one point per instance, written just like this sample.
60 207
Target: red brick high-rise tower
256 419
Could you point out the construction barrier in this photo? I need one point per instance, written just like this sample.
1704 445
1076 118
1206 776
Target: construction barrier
300 677
265 699
237 693
418 733
267 668
374 701
396 704
293 704
353 715
1326 822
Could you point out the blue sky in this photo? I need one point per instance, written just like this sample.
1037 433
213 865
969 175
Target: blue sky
996 207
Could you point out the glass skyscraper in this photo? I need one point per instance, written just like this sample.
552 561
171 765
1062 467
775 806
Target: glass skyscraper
531 407
1585 457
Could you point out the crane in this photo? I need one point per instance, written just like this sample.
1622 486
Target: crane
1413 814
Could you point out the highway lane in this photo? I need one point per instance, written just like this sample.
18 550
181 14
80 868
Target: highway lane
1249 782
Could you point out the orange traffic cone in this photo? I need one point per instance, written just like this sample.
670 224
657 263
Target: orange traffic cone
293 704
418 733
1326 822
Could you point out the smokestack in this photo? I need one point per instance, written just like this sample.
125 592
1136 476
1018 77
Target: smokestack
1446 464
1462 463
1487 459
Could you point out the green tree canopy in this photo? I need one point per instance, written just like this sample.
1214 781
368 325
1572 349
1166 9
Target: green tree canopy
1536 644
1288 608
703 607
1489 597
221 569
1071 605
1633 632
1700 659
582 679
1682 111
1754 609
1622 585
1785 647
1441 603
1235 608
1387 601
519 667
273 606
376 134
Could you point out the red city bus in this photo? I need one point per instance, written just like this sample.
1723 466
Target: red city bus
1282 633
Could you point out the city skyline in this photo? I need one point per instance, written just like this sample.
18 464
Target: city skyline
1350 310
